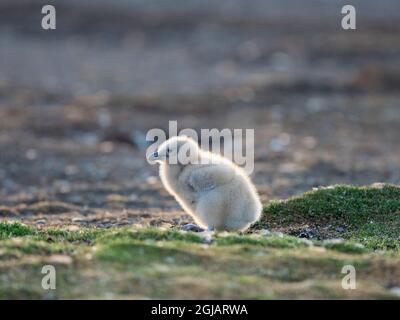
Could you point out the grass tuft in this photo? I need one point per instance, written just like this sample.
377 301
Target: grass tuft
15 229
135 262
354 204
371 214
149 234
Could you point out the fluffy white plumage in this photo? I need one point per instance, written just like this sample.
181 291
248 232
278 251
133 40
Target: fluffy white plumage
217 194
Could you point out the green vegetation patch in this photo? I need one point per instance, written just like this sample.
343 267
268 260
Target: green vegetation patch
272 241
371 214
133 262
15 229
149 234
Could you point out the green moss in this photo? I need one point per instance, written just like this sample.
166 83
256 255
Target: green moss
345 246
273 241
378 235
15 229
33 246
133 262
354 204
84 235
136 253
148 234
372 213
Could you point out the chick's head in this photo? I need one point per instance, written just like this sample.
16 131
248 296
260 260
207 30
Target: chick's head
177 150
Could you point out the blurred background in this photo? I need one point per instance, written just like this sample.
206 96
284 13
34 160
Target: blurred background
77 102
